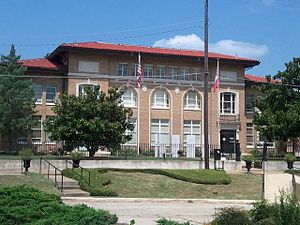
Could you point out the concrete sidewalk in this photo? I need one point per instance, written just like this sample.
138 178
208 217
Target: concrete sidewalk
276 182
147 211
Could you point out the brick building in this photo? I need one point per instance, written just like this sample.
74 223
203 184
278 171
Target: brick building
167 109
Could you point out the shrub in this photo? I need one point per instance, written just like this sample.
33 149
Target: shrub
192 176
26 153
164 221
24 205
284 211
232 216
290 158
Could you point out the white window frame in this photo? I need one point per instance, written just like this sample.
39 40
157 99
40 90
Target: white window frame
160 123
173 72
233 103
38 101
249 127
88 66
133 68
165 99
196 106
133 98
86 83
249 97
38 128
123 69
52 102
133 141
148 70
161 72
192 125
184 73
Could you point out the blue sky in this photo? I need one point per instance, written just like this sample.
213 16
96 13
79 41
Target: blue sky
267 30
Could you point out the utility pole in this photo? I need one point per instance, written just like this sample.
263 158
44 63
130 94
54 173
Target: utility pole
206 146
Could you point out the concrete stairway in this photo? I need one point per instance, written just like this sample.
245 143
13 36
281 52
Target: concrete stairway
70 187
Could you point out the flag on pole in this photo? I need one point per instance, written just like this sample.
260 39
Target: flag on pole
217 78
139 72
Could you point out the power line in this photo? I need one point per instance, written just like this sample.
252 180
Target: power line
119 31
111 39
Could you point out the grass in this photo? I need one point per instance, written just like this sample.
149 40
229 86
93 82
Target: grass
148 185
33 180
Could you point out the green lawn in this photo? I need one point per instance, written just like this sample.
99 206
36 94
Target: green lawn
148 185
33 180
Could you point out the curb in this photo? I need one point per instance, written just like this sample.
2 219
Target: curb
162 200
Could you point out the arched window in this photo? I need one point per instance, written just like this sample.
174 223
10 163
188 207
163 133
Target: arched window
129 98
192 100
227 103
160 99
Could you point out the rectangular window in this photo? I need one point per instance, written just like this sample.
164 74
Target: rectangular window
89 67
161 72
82 88
36 131
250 134
227 103
160 131
228 76
50 94
148 71
192 127
173 72
38 93
195 75
249 103
133 69
184 73
48 136
133 133
123 69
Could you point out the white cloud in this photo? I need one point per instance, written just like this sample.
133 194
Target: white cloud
231 47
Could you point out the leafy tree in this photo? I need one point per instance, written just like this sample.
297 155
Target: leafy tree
16 98
94 119
279 107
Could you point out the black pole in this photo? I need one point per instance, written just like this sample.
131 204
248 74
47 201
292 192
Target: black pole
206 146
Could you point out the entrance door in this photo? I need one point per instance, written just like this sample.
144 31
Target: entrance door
228 140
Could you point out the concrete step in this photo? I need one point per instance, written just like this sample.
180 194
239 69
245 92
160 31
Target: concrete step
75 193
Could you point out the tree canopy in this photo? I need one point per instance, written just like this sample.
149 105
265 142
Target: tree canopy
92 120
279 107
16 98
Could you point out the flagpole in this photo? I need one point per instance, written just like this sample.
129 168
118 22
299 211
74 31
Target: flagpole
206 145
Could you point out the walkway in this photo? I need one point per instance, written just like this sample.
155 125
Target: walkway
147 211
276 182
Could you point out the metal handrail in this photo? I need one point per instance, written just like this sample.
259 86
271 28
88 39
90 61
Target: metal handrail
61 187
88 181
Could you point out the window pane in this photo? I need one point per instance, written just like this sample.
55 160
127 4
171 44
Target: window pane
160 99
50 94
38 93
122 69
36 131
129 98
92 67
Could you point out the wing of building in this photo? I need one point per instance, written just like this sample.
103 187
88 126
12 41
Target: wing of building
167 109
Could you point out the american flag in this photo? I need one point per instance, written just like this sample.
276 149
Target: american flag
139 72
217 78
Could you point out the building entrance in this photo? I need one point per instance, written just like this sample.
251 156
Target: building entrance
228 141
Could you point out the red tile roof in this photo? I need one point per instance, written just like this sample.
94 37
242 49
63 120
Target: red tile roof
258 79
40 63
151 50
